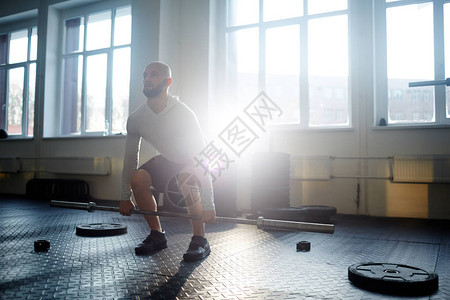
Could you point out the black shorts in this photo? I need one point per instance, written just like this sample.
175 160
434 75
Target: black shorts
161 171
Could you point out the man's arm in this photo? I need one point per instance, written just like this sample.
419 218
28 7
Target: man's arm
130 161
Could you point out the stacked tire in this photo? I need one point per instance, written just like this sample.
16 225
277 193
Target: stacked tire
270 180
271 192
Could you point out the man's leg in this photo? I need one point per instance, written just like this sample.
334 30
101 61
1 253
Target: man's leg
190 190
199 246
141 182
198 227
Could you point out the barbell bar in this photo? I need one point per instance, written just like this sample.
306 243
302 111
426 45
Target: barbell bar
261 223
430 82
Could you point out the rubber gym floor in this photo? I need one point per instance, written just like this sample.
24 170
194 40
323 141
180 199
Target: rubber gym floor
245 262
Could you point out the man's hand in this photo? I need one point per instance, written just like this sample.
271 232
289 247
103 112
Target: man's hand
209 216
125 207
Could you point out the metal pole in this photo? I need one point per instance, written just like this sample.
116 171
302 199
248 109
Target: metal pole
430 82
361 157
261 223
360 177
92 206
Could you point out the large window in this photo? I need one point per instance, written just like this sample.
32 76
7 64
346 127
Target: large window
294 50
95 68
18 50
412 42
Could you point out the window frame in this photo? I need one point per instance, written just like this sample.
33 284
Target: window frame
83 12
304 98
380 65
8 29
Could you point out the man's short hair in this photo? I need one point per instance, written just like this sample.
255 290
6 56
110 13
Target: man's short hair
164 67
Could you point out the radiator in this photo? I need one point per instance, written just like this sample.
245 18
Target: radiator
311 168
421 169
9 165
76 165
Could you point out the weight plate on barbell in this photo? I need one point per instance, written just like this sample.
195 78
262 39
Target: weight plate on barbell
101 229
395 279
183 190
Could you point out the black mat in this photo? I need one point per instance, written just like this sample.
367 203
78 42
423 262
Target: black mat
244 263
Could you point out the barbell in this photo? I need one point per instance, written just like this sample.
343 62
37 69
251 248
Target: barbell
261 223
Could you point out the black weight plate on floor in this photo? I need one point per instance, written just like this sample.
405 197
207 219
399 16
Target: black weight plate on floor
393 279
101 229
303 246
319 210
41 246
312 213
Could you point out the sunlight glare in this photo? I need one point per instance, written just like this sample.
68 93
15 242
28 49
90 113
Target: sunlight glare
323 6
243 12
328 46
410 51
122 26
98 31
282 9
96 92
18 46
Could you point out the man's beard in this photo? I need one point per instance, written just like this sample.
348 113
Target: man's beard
155 91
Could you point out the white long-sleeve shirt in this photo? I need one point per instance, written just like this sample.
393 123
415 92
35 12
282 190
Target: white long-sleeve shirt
174 132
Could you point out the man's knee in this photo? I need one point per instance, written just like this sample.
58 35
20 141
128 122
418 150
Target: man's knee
140 180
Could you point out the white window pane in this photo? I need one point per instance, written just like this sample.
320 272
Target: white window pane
122 26
96 69
74 35
282 9
31 98
323 6
33 46
283 70
15 100
328 71
18 48
447 52
242 12
243 64
72 83
410 57
120 89
98 31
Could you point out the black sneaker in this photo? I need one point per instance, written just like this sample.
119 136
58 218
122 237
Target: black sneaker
155 241
198 249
